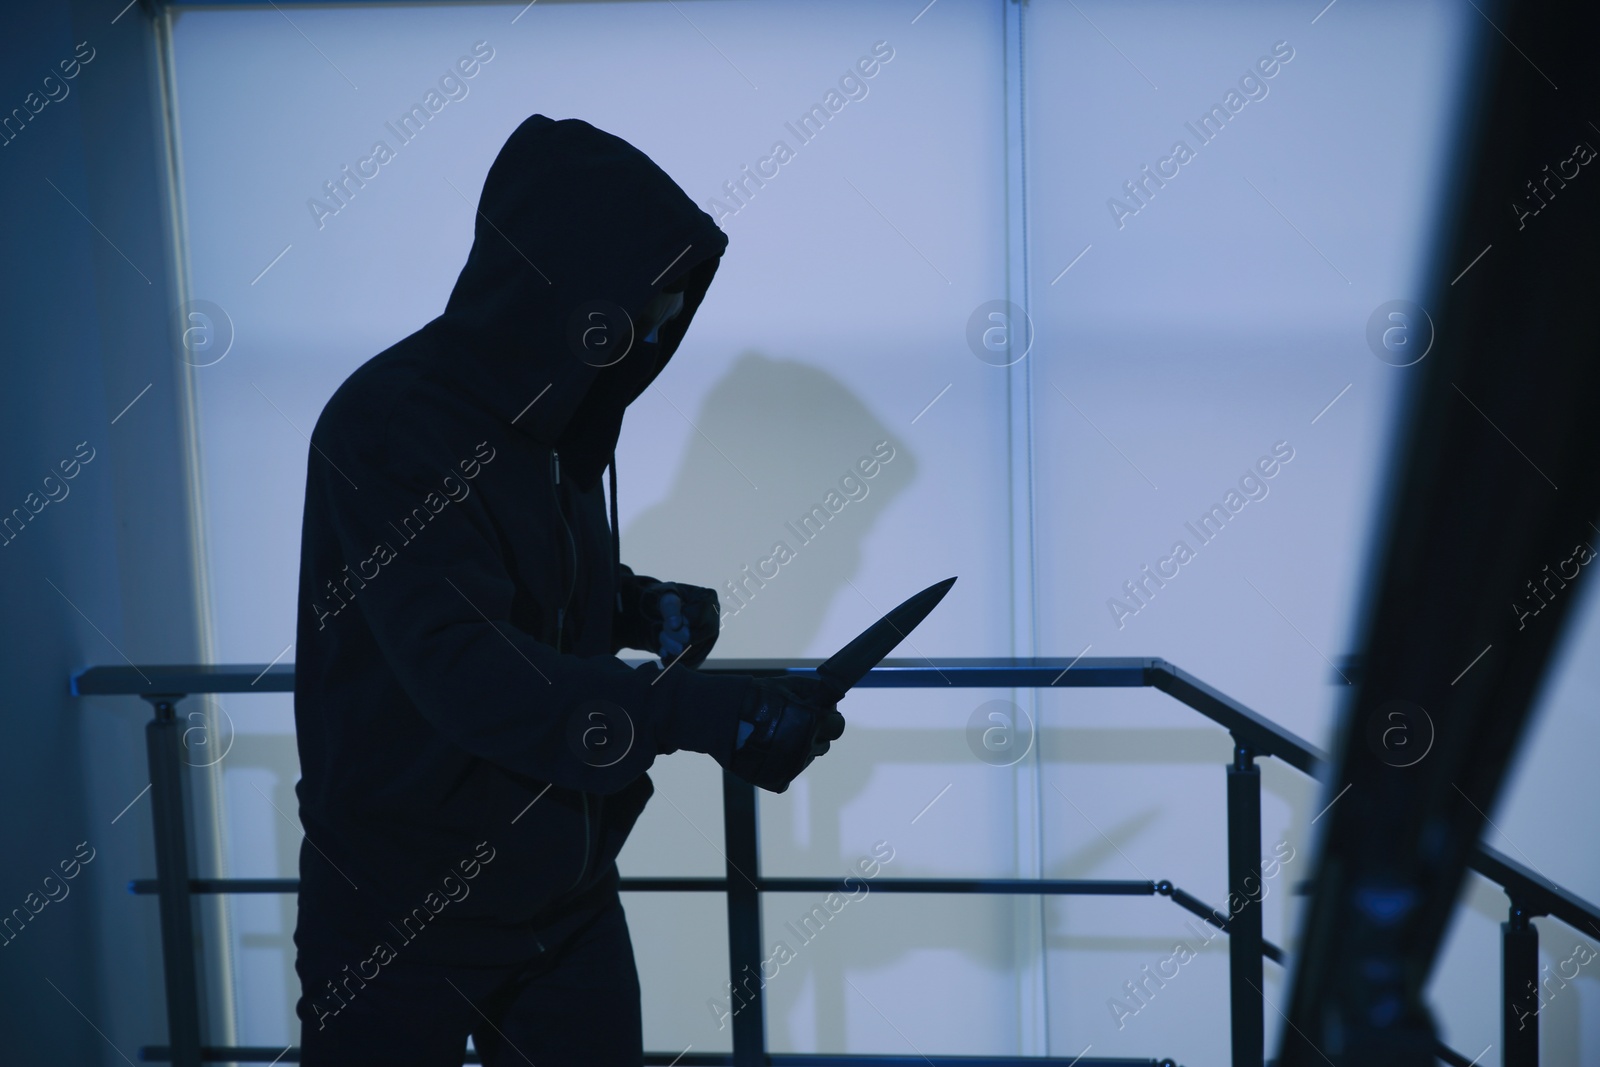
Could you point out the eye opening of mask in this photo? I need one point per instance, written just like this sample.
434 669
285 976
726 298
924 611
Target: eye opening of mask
662 308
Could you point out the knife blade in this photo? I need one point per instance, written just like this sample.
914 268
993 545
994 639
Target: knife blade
842 670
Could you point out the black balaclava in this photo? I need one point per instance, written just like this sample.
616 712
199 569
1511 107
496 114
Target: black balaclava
572 218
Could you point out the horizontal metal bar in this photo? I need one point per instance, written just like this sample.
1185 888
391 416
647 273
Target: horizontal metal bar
184 679
778 1059
1021 886
972 673
269 1054
149 887
1538 894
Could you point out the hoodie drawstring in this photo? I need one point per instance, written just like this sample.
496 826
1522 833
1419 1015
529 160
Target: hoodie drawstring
616 533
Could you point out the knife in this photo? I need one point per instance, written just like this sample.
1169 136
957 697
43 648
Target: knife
851 663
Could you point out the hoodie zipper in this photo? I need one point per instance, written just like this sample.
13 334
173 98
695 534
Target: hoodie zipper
584 869
572 545
561 618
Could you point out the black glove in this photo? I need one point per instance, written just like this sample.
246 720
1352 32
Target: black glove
668 617
786 723
682 617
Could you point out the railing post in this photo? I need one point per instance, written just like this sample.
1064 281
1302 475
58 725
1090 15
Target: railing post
746 1001
1245 993
164 746
1519 989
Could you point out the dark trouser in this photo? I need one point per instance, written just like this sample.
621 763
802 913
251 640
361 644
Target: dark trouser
574 1003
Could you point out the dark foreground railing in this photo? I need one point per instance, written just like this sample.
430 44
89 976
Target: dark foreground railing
1253 736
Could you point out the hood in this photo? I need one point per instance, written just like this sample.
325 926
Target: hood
575 227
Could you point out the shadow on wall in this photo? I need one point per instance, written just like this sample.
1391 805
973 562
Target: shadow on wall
772 515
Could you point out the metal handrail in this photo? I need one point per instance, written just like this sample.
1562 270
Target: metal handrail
1253 734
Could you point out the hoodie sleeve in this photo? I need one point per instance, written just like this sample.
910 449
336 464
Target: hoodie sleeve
439 607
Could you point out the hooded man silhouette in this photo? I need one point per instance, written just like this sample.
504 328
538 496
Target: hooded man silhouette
472 752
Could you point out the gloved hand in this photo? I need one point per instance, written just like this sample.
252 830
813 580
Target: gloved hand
675 635
786 723
677 616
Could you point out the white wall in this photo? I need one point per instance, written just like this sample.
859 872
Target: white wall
1219 320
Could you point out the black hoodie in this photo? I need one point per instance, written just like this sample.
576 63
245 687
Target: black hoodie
459 586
